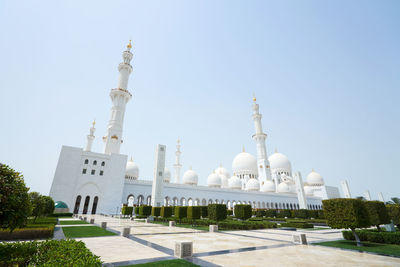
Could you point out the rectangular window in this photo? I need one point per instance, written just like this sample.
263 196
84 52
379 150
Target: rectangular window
84 171
101 173
160 173
93 172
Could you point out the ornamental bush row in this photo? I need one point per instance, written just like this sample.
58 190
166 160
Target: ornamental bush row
127 210
373 236
297 225
394 213
47 253
27 233
283 213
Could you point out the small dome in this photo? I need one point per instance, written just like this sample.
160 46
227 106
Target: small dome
222 171
60 205
308 190
235 183
244 163
224 181
132 170
284 188
214 180
167 175
190 177
280 163
268 186
253 185
314 178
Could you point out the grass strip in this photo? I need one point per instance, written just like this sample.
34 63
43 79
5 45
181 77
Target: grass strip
70 222
383 249
85 231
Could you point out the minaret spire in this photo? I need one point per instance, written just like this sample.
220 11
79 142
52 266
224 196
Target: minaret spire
178 165
119 97
264 171
90 137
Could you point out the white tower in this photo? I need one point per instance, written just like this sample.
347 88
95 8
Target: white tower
158 180
380 197
346 189
367 195
90 137
178 165
300 190
119 97
264 171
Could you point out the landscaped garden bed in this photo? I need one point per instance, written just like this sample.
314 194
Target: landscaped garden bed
41 228
71 222
85 231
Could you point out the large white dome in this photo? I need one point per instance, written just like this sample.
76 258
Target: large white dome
167 175
132 170
280 163
284 188
235 182
245 163
214 180
253 185
224 181
190 177
314 178
268 186
308 190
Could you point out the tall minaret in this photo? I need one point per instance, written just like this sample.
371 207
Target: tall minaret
90 137
119 97
264 171
178 164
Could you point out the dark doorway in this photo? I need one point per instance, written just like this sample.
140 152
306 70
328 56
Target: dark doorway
77 204
94 207
85 207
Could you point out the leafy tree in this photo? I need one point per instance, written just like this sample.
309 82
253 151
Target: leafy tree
14 199
37 204
48 205
394 213
377 213
346 213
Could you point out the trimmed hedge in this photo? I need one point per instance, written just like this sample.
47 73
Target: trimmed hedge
27 233
204 211
377 213
67 214
193 212
166 212
260 213
297 224
313 214
145 210
376 237
47 253
229 212
217 212
394 213
283 214
156 211
345 213
127 210
136 210
243 211
270 213
180 212
301 213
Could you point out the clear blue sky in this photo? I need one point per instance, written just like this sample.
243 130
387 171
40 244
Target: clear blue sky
325 73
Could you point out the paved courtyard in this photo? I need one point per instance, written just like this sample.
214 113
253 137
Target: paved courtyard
151 242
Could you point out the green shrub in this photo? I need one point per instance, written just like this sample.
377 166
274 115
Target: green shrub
47 253
127 210
346 213
166 212
67 214
229 212
321 214
297 225
377 213
137 210
28 233
173 210
217 212
283 213
180 212
245 225
270 213
156 211
193 212
313 214
260 213
145 210
301 213
394 213
242 211
204 211
372 236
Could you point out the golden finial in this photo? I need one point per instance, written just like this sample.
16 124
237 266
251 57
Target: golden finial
254 97
94 123
129 46
243 150
312 170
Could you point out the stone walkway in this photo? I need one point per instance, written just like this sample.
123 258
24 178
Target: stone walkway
272 247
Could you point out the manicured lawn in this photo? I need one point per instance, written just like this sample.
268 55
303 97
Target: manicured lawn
385 249
85 231
167 263
69 222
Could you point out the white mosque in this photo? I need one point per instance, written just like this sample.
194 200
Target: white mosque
91 182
